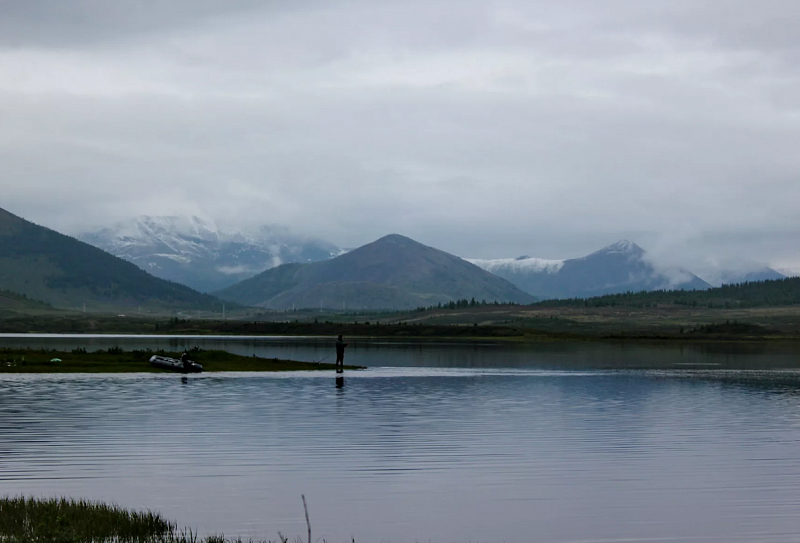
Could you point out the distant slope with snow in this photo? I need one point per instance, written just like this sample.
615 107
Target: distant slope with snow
522 264
721 276
617 268
197 253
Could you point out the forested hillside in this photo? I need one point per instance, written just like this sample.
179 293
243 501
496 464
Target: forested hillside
779 292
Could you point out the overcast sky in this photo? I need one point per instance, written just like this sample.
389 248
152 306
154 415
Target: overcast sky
484 128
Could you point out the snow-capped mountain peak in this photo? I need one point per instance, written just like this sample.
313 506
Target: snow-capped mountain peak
200 254
617 268
623 246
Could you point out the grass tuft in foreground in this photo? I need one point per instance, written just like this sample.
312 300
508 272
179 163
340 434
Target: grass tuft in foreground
62 520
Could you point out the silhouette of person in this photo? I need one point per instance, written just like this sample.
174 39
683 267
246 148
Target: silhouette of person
185 360
340 345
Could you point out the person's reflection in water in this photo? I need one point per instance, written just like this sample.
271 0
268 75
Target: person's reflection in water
339 381
184 380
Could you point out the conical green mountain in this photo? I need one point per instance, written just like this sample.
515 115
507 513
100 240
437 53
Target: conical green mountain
45 265
394 272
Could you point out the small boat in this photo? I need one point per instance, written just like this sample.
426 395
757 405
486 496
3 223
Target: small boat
175 365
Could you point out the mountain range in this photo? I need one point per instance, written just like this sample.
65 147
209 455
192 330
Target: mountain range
620 267
394 272
199 254
60 270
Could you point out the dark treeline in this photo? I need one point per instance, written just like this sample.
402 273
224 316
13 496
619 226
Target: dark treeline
330 328
461 304
388 313
778 292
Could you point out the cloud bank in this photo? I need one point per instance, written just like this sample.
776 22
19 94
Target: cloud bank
488 129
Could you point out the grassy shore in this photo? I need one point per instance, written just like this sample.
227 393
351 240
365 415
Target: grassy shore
116 360
61 520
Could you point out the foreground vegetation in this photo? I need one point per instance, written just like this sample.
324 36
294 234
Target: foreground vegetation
116 360
61 520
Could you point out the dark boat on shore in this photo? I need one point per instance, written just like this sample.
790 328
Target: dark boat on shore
175 365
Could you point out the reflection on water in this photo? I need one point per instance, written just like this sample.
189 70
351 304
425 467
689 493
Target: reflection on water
510 451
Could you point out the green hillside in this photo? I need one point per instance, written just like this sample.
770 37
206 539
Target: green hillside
11 304
42 264
393 272
773 293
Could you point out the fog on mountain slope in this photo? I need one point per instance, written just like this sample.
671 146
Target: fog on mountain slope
620 267
198 253
718 276
393 272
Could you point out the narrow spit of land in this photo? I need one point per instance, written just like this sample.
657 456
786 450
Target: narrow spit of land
116 360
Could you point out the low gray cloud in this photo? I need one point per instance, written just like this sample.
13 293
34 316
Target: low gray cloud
485 129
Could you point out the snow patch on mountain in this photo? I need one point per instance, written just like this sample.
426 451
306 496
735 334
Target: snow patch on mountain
521 264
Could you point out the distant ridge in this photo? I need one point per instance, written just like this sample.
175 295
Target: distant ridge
42 264
620 267
394 272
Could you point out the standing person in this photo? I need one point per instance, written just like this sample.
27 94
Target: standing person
340 345
185 360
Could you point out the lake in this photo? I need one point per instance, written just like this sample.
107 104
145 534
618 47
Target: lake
436 441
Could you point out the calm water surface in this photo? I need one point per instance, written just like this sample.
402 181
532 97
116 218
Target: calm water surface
436 441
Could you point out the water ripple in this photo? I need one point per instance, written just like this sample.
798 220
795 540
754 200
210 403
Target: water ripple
406 454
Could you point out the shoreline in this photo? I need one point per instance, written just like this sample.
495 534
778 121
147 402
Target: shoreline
524 336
